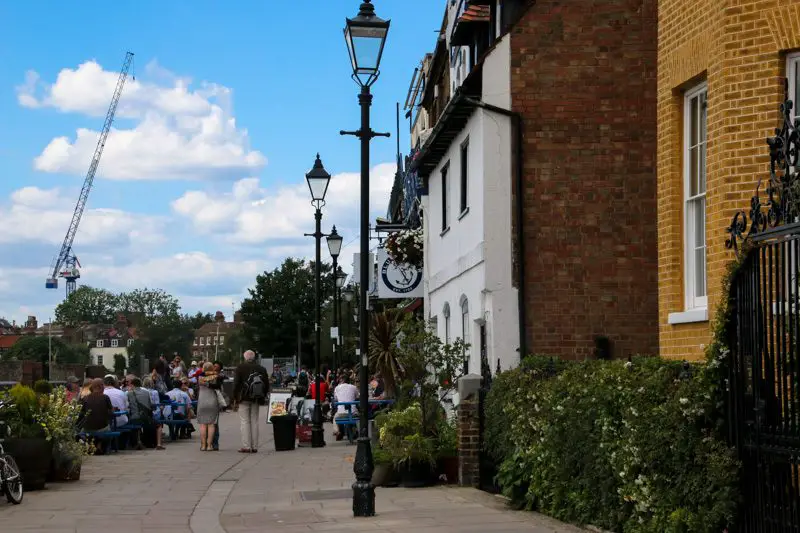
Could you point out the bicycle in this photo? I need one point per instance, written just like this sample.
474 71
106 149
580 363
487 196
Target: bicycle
10 476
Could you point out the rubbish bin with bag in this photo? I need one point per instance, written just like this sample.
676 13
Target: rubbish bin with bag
283 430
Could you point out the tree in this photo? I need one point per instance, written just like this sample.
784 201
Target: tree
119 364
87 304
199 319
164 337
230 353
37 348
154 305
278 301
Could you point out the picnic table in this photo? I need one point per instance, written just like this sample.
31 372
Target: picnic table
349 422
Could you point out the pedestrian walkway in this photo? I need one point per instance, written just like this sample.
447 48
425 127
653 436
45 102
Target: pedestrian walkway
184 490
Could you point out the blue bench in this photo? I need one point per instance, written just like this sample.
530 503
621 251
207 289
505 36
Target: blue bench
347 424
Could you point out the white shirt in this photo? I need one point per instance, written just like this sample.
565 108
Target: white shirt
119 401
345 392
181 398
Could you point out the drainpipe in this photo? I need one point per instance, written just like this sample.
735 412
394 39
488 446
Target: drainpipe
518 208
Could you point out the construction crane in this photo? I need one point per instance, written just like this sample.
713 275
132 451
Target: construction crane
66 265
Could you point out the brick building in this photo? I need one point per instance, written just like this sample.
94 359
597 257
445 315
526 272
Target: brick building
209 339
580 145
720 84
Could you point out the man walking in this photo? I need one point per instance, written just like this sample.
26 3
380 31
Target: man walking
250 392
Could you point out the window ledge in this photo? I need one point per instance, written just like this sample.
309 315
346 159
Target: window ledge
464 213
445 230
688 317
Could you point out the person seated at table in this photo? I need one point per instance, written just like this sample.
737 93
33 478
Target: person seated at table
344 392
182 410
96 411
323 393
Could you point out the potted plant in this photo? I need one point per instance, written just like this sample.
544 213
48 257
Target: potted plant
59 418
384 474
28 443
412 453
447 450
405 247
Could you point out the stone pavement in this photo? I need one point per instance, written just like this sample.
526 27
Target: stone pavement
184 490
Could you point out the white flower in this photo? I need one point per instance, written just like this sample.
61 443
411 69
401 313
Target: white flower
683 401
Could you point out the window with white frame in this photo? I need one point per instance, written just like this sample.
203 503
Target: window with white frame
446 196
100 360
99 343
114 343
222 339
208 340
202 341
130 343
465 330
446 315
695 113
464 192
793 75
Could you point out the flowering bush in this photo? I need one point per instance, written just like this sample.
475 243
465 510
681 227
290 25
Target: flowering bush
59 420
405 247
629 447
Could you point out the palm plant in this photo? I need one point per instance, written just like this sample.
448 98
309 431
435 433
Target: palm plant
383 349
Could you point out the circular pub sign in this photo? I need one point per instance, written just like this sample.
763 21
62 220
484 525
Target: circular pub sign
402 278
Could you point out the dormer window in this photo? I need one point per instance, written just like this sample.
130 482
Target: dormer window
99 343
130 343
114 343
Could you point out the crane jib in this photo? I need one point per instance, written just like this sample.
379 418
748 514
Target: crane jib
66 265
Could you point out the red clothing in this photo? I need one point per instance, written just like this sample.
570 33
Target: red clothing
323 389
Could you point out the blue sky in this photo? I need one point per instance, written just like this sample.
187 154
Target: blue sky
201 185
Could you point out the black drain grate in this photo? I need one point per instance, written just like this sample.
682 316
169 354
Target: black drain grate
335 494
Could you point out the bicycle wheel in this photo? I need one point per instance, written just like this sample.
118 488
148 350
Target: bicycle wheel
12 479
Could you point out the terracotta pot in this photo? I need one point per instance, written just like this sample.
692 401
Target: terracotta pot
33 456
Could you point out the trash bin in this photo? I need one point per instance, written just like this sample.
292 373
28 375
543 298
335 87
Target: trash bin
283 429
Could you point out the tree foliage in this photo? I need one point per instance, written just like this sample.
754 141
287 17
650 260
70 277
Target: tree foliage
278 301
199 319
37 348
154 305
87 304
167 338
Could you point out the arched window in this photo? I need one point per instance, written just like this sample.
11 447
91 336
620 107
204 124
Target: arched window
446 314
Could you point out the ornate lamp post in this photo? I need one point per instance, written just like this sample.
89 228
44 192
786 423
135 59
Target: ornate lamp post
365 36
348 293
318 180
341 277
335 247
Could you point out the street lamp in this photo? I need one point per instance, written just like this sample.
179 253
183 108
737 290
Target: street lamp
335 247
365 36
318 180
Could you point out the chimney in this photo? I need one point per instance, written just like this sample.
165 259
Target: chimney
31 322
219 317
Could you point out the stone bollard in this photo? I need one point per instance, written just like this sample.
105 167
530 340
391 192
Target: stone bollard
469 438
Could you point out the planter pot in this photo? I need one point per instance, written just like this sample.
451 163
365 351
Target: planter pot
385 475
449 467
33 456
66 471
417 474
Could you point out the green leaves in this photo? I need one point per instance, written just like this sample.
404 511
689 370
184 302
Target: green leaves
99 306
37 348
625 446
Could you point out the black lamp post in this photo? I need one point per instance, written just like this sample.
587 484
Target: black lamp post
335 247
341 277
365 36
348 294
318 180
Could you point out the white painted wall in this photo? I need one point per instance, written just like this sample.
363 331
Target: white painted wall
108 355
471 260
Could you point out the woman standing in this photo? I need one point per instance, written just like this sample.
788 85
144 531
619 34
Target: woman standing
207 407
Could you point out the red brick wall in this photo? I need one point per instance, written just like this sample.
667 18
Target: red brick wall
583 75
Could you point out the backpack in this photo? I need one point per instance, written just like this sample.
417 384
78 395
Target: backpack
254 388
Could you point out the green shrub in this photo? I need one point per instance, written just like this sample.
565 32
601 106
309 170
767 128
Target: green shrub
43 386
21 411
625 446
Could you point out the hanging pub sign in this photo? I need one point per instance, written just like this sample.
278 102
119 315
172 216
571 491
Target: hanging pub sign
398 280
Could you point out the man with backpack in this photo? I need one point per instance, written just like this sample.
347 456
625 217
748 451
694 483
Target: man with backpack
250 392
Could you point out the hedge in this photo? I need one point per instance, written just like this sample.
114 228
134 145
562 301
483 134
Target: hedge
627 446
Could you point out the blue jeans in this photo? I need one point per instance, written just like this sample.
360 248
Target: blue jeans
215 441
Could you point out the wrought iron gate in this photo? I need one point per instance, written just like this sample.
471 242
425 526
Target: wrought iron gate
763 397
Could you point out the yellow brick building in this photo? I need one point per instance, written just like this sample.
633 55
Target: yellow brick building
721 71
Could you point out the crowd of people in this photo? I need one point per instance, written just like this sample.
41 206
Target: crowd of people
178 397
173 396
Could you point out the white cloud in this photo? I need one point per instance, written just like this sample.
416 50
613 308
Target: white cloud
43 216
249 213
181 132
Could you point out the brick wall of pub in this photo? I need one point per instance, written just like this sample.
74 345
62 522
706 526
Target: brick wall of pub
739 49
584 79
